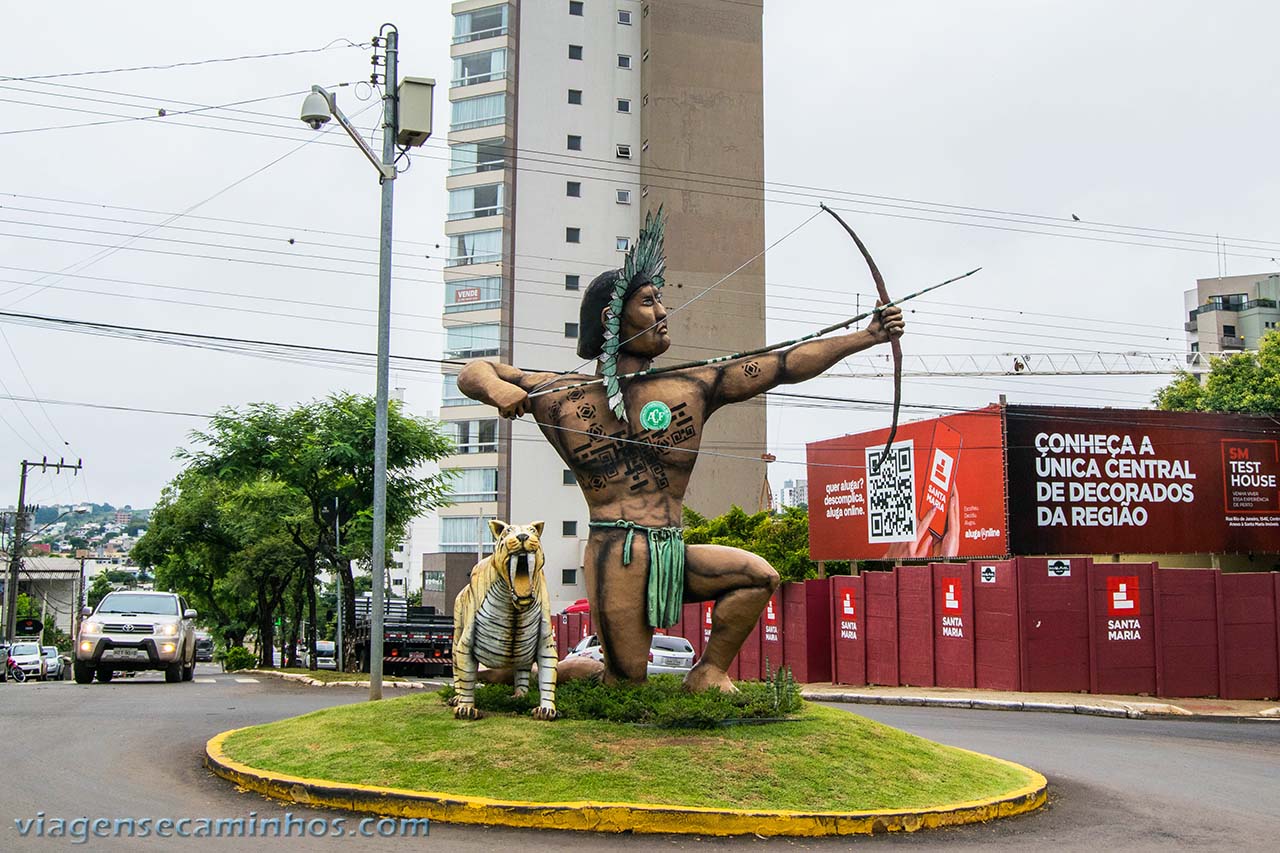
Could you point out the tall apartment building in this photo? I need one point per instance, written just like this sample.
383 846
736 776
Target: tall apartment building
570 120
1230 313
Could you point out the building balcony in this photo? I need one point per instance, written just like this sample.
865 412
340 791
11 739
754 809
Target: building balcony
1232 342
1234 307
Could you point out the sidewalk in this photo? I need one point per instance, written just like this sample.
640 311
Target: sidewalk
1133 707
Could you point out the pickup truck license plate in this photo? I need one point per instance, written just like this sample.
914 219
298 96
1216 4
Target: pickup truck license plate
125 654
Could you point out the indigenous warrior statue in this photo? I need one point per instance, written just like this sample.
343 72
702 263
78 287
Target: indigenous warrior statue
631 435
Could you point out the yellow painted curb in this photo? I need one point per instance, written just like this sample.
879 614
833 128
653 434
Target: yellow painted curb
616 817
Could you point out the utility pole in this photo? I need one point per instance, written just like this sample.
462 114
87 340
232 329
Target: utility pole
337 574
390 125
318 108
81 597
16 544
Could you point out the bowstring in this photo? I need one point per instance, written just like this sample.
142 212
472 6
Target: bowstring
722 280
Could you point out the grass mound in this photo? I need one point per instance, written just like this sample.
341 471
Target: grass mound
827 759
660 701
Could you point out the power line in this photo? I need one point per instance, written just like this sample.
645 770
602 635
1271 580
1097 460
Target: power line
333 45
1126 334
1142 239
741 182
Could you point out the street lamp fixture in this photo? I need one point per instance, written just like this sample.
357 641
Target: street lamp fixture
317 108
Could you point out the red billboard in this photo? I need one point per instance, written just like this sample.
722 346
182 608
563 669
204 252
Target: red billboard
1114 481
938 493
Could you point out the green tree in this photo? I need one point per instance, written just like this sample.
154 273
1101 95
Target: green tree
781 538
227 549
190 546
1244 382
98 589
320 453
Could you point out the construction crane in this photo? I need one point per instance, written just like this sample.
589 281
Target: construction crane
1132 363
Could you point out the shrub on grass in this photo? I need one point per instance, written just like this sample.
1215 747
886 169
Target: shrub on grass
661 701
237 657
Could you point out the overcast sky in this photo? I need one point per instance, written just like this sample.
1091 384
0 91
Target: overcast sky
957 134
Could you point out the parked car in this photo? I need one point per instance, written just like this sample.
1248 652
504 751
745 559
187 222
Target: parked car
26 656
54 667
326 655
204 647
667 655
133 631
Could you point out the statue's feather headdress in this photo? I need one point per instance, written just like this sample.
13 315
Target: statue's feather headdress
646 263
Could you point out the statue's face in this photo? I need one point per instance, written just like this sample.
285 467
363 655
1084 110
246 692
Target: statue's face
644 323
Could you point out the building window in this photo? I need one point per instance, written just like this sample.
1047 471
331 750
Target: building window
624 61
575 51
573 189
478 436
623 244
568 577
477 247
471 341
472 294
575 96
575 7
433 581
451 395
624 17
623 196
480 24
464 534
573 142
480 67
468 157
477 112
568 528
624 152
572 282
569 479
571 330
624 105
573 235
474 202
473 485
1228 331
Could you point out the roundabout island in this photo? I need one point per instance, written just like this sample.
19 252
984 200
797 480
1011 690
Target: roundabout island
817 772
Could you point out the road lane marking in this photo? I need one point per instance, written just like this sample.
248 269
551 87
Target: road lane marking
206 680
246 681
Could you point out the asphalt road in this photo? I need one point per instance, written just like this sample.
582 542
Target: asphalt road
132 748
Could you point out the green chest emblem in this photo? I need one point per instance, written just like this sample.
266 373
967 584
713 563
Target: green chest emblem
655 415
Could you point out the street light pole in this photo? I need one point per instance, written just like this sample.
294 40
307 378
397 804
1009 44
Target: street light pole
389 131
407 125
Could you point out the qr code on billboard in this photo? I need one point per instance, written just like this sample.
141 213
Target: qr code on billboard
891 494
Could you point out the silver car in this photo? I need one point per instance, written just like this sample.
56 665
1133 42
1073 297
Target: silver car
26 656
132 631
54 667
668 655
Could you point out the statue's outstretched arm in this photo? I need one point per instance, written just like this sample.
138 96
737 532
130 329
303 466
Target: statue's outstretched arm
744 378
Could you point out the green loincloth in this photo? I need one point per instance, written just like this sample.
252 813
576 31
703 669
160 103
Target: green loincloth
666 568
